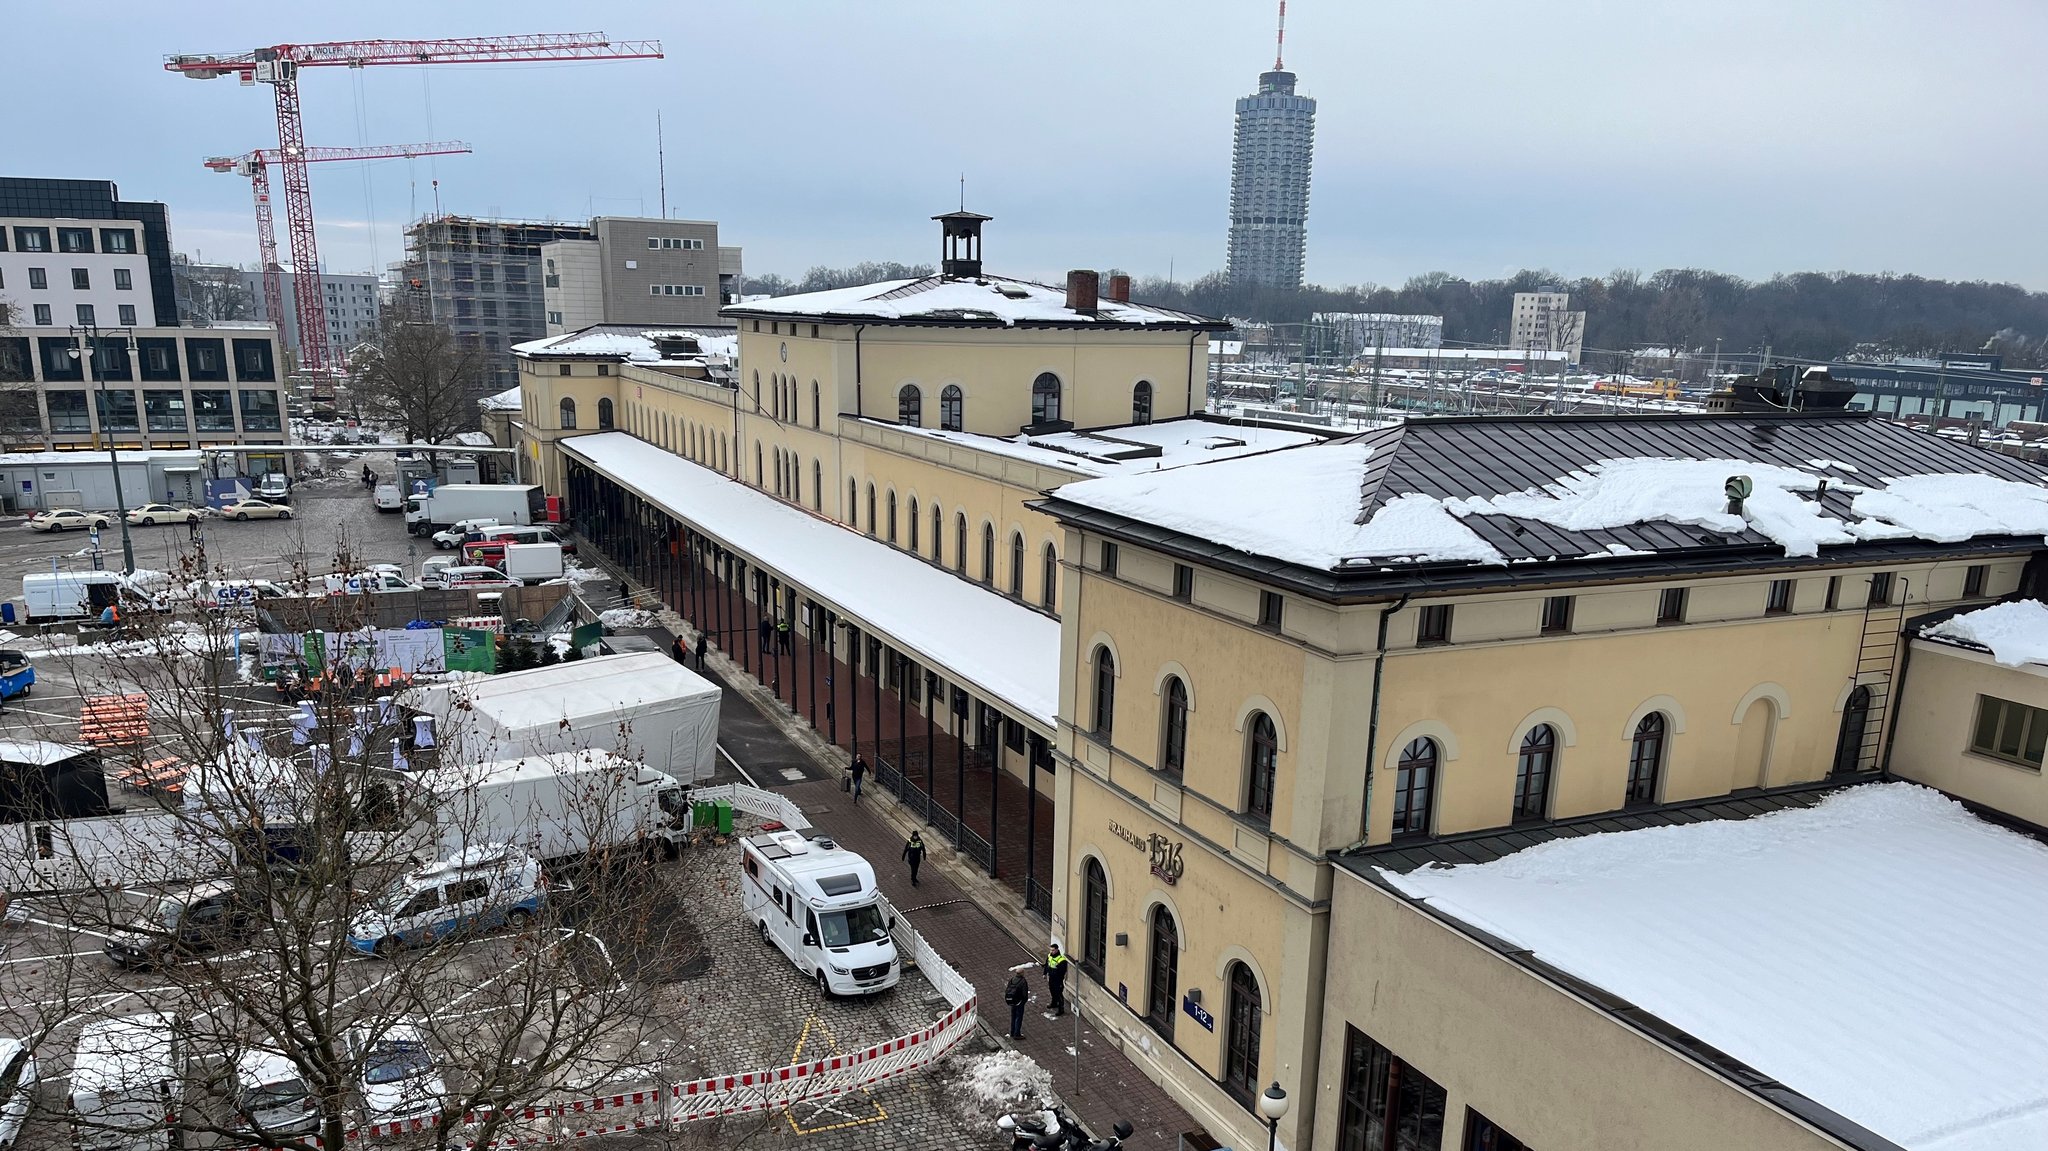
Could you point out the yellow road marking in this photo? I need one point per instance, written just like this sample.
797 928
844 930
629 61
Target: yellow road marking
825 1106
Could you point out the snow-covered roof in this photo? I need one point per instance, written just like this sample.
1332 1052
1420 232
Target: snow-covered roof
505 401
1495 490
991 301
1006 651
1128 449
629 342
93 459
2015 633
474 439
1878 952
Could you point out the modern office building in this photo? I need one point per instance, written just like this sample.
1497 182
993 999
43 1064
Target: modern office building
482 279
1544 322
73 252
1269 172
639 270
353 304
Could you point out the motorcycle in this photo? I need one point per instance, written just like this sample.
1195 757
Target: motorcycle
1052 1128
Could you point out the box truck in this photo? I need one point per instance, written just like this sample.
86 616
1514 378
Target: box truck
507 503
558 807
532 563
642 705
816 902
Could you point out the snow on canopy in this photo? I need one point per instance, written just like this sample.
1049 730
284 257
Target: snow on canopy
1878 952
2015 633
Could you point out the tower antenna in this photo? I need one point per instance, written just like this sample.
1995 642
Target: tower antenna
963 191
661 164
1280 41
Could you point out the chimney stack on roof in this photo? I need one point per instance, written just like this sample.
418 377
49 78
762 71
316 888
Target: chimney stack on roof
1119 289
1082 286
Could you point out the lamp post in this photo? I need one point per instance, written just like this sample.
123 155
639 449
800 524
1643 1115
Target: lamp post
88 337
1273 1108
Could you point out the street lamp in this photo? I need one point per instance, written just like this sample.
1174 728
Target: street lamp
88 337
1273 1108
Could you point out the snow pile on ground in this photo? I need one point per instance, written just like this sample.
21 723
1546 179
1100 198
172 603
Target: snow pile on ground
1006 1077
579 574
1649 489
2016 632
619 617
1878 952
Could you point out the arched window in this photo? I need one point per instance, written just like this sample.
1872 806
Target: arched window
1415 787
950 405
1017 564
852 503
775 403
960 542
938 532
757 391
1532 772
913 525
1162 988
1094 917
816 408
1173 741
1045 398
604 413
757 463
892 515
988 554
1646 759
1141 402
568 414
1262 764
872 521
1855 724
910 406
1049 578
796 478
1241 1053
1105 692
817 486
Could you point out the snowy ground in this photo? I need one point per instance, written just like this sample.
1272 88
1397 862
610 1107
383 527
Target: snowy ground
1879 952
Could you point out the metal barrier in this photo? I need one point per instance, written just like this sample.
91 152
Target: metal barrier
755 801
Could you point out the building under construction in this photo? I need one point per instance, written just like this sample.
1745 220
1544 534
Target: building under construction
482 279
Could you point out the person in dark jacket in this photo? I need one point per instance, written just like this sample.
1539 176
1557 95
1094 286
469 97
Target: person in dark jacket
913 854
680 651
782 636
1017 993
767 630
860 772
1056 979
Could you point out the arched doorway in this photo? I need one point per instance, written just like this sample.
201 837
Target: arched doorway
1241 1050
1855 725
1094 918
1162 989
1753 745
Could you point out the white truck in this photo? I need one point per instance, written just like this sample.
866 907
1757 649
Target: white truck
532 563
509 504
817 903
125 1082
642 705
558 808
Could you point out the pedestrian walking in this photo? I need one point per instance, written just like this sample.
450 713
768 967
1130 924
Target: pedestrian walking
913 854
625 594
860 772
192 529
681 651
1056 980
1016 993
766 628
703 641
782 635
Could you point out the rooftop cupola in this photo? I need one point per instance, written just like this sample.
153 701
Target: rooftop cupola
960 250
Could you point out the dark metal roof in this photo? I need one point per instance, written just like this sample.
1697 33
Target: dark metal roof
1487 456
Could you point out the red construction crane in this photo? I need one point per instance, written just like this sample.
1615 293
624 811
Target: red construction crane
278 66
256 166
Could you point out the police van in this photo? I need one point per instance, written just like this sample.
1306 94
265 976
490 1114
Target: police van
476 889
817 903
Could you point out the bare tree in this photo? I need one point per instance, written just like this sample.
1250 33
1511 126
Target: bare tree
415 375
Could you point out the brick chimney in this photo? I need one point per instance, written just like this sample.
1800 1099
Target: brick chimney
1081 288
1119 289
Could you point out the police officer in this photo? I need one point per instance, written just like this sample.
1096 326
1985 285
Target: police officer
1056 979
913 854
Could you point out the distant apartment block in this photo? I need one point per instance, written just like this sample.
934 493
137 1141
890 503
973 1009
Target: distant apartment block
1340 337
352 305
1269 170
74 252
1544 322
482 279
639 270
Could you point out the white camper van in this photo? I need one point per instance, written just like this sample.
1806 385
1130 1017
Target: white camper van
817 902
124 1084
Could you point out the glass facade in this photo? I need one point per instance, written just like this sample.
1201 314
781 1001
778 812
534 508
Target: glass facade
260 411
117 410
165 410
68 412
214 409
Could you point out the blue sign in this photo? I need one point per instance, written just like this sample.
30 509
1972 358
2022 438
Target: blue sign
1196 1013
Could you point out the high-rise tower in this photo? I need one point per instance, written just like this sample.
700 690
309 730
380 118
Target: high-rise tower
1276 135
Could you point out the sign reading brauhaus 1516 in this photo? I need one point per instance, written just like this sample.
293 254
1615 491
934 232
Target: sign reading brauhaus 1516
1165 853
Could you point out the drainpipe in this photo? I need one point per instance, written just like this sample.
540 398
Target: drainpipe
1189 409
858 409
1372 727
1895 691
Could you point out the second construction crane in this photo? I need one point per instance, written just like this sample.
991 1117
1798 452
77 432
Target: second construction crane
256 165
278 66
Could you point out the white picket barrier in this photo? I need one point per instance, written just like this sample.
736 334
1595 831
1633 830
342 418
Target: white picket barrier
755 801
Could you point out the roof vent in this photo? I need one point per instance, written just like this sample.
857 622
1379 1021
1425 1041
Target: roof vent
1013 291
825 843
1738 489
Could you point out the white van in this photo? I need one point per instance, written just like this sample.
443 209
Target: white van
124 1083
271 1097
478 888
817 902
68 595
388 498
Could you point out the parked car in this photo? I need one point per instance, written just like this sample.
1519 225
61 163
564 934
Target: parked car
477 888
149 515
433 566
453 536
65 519
270 1095
123 1072
203 917
367 581
275 486
469 577
400 1079
256 509
17 1088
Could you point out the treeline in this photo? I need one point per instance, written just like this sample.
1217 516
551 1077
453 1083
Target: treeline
1808 315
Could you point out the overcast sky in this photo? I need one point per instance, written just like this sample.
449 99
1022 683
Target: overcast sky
1476 136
